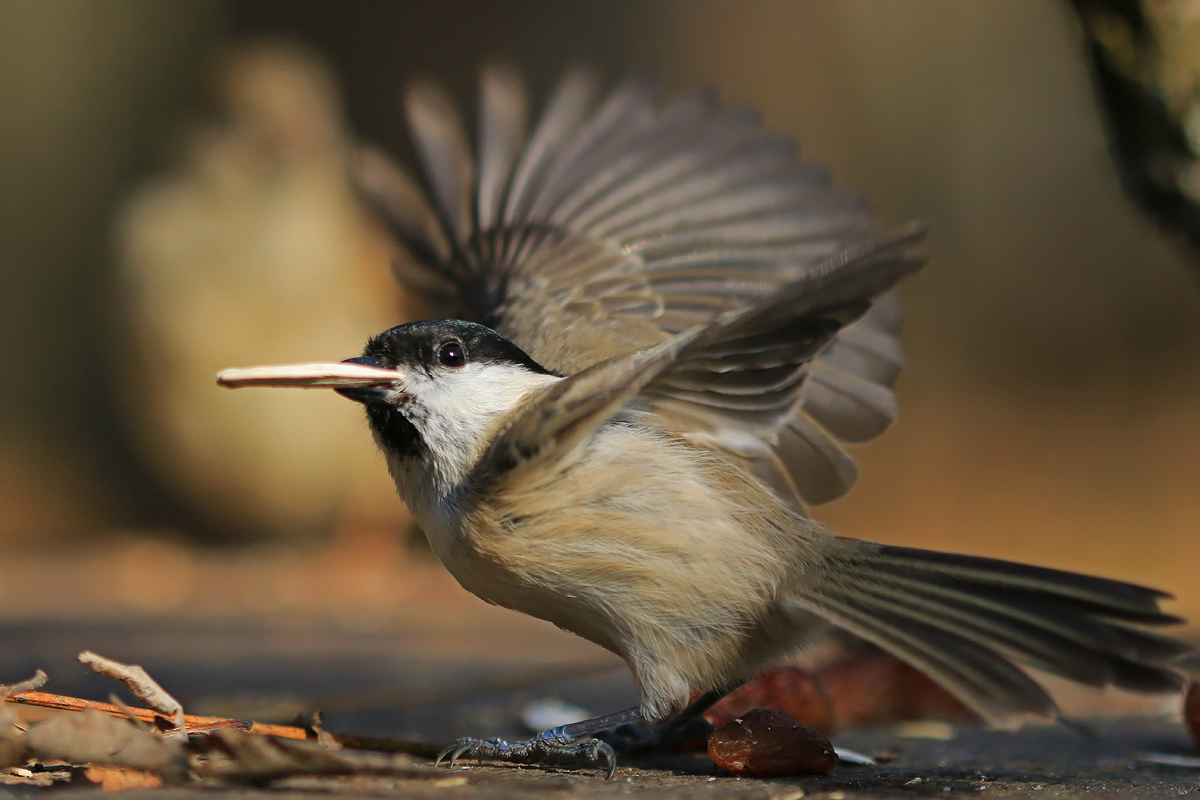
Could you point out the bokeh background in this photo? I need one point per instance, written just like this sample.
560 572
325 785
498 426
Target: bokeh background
173 200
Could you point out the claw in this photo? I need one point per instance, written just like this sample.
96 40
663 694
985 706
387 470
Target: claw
605 757
457 747
458 751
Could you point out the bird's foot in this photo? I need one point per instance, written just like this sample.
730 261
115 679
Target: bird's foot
549 747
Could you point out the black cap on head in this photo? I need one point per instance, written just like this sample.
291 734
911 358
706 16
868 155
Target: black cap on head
417 344
426 346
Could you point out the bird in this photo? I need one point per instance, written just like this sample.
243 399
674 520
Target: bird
660 328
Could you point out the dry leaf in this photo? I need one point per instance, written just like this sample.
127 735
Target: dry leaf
138 681
93 738
22 776
117 779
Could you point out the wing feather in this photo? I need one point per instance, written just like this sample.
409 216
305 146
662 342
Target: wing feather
412 219
851 408
627 111
553 422
503 115
564 113
441 141
618 224
615 181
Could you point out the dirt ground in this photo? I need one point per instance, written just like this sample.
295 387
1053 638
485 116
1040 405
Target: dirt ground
475 675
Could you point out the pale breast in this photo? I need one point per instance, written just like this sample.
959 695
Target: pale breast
649 546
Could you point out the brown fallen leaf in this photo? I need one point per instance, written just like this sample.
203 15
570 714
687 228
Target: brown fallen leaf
13 751
239 757
36 682
765 743
93 738
117 779
123 748
260 759
138 681
23 776
12 740
208 725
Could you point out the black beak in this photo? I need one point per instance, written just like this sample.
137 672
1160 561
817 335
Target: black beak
367 395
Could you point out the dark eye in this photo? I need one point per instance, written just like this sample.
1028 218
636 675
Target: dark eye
451 354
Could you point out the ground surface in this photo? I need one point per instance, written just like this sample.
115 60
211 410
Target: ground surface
432 683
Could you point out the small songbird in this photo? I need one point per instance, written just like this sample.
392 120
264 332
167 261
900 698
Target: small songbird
675 325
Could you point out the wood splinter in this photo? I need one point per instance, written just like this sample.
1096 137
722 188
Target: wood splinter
308 376
138 681
30 684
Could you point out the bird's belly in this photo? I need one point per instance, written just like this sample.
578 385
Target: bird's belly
683 615
671 562
512 582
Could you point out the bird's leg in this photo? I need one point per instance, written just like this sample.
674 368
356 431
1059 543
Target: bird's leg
685 726
689 723
558 745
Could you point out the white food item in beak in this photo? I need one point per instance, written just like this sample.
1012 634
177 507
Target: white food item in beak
309 376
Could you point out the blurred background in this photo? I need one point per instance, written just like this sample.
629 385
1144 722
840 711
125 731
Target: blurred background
174 200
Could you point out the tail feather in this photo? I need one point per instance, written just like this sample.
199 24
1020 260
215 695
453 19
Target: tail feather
1116 598
979 676
1042 648
964 620
1049 615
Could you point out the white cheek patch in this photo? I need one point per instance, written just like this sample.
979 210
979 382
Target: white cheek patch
478 391
455 408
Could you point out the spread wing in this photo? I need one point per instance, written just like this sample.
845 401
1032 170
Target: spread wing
616 223
772 343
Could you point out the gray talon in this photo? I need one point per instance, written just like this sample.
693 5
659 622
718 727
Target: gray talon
455 749
463 746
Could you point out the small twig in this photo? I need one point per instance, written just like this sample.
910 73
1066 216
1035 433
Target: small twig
194 724
138 681
36 682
